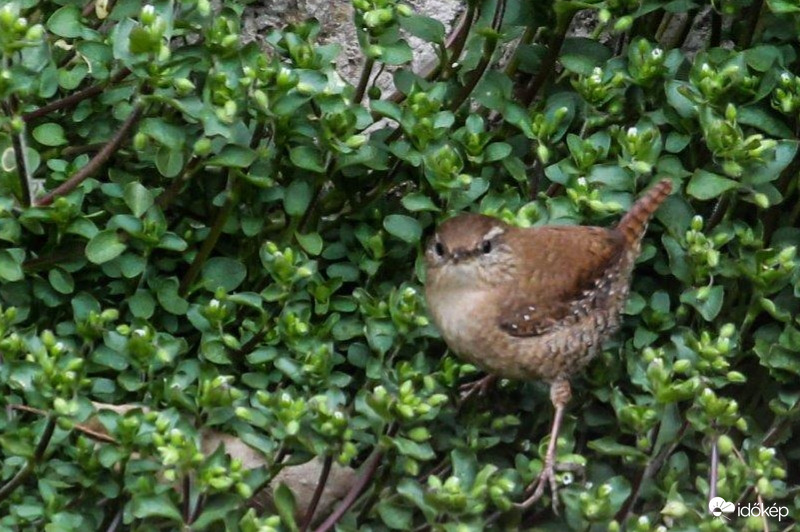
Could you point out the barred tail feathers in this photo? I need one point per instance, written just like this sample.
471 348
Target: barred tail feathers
634 223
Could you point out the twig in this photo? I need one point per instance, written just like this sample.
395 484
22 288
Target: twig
564 16
370 467
95 435
651 469
366 72
27 469
486 57
96 162
18 144
713 475
76 98
715 37
312 506
186 503
211 240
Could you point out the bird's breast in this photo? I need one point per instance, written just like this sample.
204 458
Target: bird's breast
457 313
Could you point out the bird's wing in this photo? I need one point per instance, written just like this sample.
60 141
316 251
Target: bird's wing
568 266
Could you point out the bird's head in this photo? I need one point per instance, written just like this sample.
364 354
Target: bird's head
469 248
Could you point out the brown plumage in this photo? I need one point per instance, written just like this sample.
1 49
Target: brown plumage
533 303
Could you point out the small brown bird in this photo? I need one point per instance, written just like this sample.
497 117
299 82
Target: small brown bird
534 303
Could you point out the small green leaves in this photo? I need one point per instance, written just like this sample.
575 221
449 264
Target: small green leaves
50 134
66 22
297 197
403 227
224 238
138 198
223 272
705 185
104 246
11 265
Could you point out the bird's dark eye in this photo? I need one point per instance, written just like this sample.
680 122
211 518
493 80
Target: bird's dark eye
439 249
486 247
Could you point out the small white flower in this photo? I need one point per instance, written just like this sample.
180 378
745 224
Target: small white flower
656 53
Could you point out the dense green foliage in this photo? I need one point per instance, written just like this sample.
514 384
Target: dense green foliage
230 236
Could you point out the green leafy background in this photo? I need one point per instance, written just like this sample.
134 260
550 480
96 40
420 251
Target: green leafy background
230 236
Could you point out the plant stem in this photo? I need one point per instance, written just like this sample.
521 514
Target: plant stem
486 58
96 162
312 506
651 469
18 144
211 240
715 37
76 98
366 73
564 16
27 469
369 469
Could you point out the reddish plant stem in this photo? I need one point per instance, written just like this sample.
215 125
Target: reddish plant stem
76 98
312 506
38 454
97 161
370 467
211 241
366 73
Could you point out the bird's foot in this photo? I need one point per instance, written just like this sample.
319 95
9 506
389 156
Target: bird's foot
546 478
478 387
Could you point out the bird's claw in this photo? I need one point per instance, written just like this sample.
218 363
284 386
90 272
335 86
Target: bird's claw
479 387
546 478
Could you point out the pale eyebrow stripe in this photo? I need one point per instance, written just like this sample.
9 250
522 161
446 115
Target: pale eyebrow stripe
493 232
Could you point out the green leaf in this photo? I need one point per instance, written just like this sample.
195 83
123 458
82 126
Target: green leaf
223 272
308 158
155 506
395 516
216 509
138 198
310 242
66 22
417 201
50 134
704 185
284 503
403 227
168 297
581 55
104 246
297 197
169 162
496 151
710 306
426 28
234 156
397 53
10 267
61 281
141 304
165 133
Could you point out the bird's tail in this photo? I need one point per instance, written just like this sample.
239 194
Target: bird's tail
634 223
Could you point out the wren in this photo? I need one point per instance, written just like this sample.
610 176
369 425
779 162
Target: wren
534 303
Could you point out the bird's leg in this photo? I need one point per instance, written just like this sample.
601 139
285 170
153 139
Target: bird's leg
478 387
560 394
